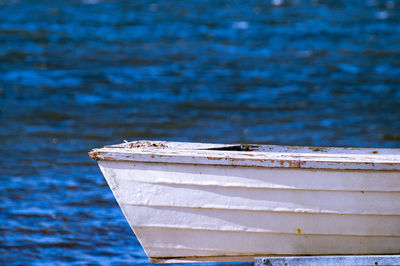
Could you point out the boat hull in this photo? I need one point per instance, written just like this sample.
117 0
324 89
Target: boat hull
187 212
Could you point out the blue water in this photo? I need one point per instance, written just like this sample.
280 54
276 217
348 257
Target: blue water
76 75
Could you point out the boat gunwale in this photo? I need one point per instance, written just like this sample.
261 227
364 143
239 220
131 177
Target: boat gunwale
252 155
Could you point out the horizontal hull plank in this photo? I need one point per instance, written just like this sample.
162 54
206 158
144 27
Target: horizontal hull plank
262 222
361 203
222 176
183 243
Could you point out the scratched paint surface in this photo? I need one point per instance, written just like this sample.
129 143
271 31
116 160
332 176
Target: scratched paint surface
76 75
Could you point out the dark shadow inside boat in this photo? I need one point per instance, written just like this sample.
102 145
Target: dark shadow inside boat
303 149
242 147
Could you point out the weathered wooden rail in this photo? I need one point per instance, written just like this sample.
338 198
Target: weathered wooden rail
372 260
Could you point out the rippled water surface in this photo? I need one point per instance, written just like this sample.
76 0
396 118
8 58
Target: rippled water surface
75 75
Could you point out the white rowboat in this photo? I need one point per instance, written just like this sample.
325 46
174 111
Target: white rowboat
216 202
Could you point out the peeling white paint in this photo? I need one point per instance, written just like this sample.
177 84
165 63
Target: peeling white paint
199 202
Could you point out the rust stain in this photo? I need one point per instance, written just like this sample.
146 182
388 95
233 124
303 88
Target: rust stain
247 160
317 149
98 156
298 231
94 156
239 159
291 164
214 158
294 164
248 154
374 152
